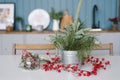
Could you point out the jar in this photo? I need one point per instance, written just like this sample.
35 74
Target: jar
9 28
40 28
114 27
28 28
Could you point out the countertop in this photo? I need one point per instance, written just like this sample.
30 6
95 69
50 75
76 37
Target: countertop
52 32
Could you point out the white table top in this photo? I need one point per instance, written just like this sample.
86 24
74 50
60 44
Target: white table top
9 71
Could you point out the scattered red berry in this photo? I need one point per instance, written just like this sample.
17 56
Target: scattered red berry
97 64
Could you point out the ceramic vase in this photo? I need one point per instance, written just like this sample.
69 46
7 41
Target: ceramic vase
55 25
70 57
19 25
114 27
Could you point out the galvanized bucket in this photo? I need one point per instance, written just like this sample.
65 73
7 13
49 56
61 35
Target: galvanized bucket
70 57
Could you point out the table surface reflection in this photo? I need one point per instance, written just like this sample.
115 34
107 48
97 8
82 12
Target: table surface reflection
9 70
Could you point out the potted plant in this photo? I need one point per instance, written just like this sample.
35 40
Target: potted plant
74 40
19 21
56 18
115 23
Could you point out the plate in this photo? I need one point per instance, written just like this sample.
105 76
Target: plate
39 17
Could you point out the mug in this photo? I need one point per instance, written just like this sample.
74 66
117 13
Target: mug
40 28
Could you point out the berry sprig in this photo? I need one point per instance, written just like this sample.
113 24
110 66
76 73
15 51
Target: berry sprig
97 64
34 60
54 63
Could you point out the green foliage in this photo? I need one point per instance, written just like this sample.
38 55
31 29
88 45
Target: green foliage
55 15
75 39
19 19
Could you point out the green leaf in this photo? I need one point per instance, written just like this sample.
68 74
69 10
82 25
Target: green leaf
55 15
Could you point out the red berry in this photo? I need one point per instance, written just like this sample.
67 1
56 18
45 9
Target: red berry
81 71
59 71
103 59
104 68
79 74
84 75
92 57
94 72
88 73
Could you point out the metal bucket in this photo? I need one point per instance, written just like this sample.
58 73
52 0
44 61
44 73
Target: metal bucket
70 57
